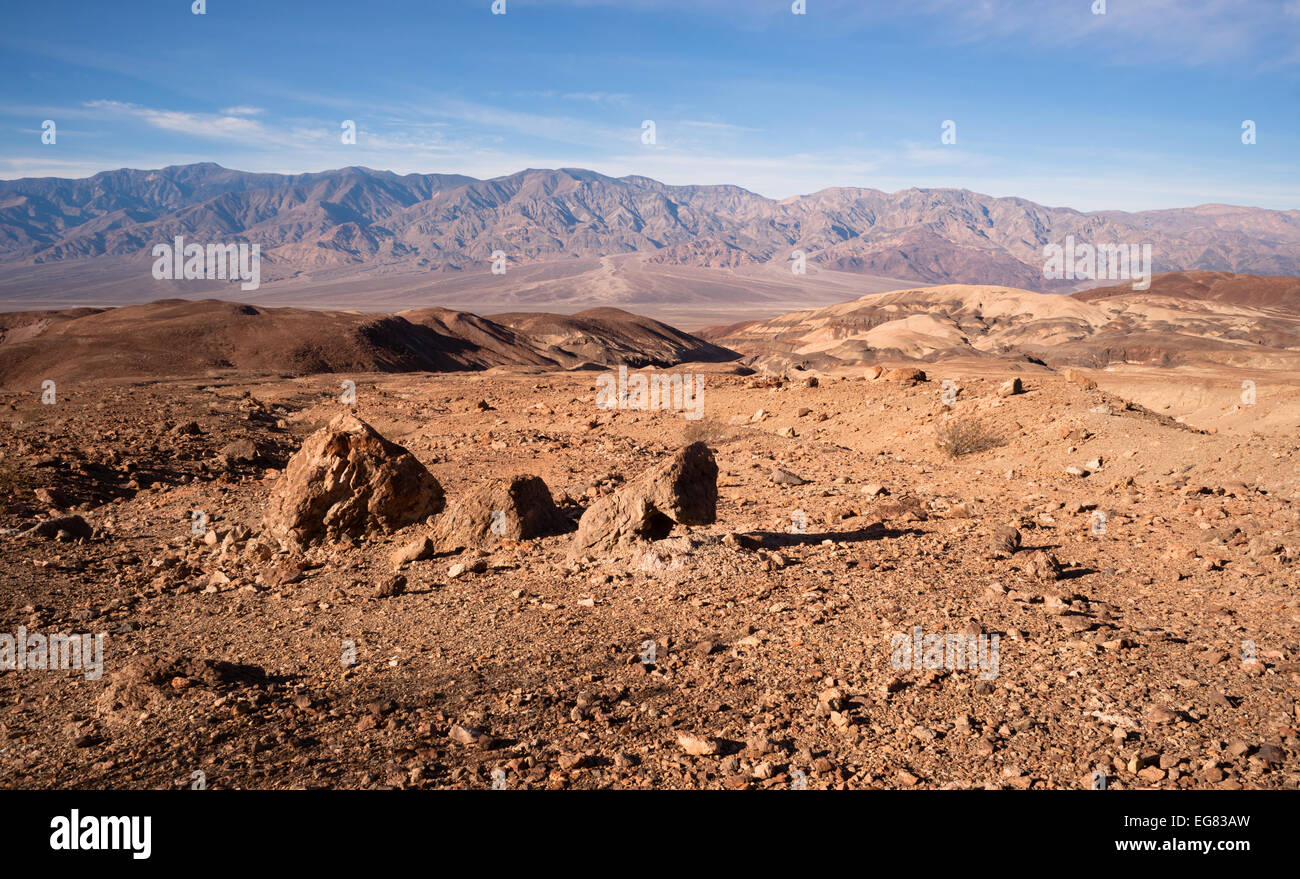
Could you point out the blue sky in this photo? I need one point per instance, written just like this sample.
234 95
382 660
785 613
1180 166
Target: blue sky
1141 107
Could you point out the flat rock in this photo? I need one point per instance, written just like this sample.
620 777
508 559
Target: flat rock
697 746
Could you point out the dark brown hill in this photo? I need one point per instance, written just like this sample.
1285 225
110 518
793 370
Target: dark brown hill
597 333
1224 288
175 337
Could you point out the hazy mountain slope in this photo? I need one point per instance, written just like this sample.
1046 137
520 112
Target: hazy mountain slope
355 217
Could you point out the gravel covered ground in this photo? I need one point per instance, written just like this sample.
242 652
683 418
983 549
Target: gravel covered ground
1127 585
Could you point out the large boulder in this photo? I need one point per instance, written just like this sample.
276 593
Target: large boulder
681 491
348 480
518 508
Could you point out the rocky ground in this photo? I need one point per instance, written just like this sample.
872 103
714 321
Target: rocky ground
1140 576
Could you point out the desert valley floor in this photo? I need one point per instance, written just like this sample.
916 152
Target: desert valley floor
1147 616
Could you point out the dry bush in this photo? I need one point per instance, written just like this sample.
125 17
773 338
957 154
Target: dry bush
709 431
962 436
14 484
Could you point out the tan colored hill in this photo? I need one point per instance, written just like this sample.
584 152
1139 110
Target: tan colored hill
172 338
1185 318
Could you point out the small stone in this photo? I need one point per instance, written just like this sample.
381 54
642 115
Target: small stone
1270 754
459 569
1238 748
1043 566
241 451
1159 714
697 746
467 735
51 498
906 374
1005 541
571 761
785 477
415 551
832 697
390 587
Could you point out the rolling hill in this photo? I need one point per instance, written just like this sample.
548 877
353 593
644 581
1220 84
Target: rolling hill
1186 317
176 337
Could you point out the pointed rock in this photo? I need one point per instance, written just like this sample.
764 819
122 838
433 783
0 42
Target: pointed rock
681 491
348 480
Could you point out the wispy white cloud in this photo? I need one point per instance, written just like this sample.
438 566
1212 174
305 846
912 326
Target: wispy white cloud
1184 33
560 129
48 166
1189 32
438 134
597 97
223 125
720 127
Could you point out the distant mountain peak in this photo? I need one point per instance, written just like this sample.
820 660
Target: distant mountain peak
358 216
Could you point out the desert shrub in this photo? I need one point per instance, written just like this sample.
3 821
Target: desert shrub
709 431
15 487
964 435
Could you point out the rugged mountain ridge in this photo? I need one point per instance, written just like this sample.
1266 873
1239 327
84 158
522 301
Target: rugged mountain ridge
447 223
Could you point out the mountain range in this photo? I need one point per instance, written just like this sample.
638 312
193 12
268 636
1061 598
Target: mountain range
341 223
